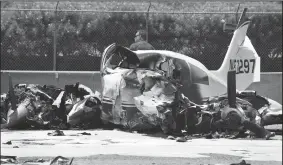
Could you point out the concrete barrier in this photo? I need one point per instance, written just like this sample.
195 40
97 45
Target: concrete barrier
270 85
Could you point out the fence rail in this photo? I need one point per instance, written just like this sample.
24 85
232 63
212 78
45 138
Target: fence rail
130 11
69 40
87 72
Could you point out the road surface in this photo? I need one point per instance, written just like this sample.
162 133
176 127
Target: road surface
118 147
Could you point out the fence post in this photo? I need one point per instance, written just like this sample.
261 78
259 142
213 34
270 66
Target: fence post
147 19
55 40
12 94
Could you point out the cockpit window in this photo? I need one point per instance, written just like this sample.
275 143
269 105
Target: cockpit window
116 59
149 61
119 56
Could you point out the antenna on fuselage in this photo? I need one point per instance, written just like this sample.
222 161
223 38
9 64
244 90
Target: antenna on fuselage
230 27
236 20
242 18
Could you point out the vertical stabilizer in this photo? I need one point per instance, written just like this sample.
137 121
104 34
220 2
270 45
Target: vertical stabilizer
241 57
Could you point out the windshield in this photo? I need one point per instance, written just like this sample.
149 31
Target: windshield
118 56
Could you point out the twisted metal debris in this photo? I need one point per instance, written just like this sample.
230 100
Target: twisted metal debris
76 106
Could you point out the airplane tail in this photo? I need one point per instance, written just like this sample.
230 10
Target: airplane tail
241 57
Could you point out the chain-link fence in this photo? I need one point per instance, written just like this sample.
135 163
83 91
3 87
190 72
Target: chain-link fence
74 40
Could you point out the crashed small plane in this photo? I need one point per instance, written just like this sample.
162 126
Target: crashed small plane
138 84
148 89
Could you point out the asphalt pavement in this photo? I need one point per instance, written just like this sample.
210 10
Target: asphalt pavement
118 147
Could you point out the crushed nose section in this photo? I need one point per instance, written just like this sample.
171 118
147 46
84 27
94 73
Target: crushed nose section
131 97
156 100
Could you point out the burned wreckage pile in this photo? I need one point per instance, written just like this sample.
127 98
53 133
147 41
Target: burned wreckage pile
47 107
77 106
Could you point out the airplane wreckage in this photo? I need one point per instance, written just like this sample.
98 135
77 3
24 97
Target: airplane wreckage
153 89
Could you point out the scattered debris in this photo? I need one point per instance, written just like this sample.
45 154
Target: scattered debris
8 142
41 160
208 136
36 161
181 139
269 135
215 135
171 137
109 141
188 137
61 160
79 134
196 135
237 135
85 133
243 162
56 133
8 159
